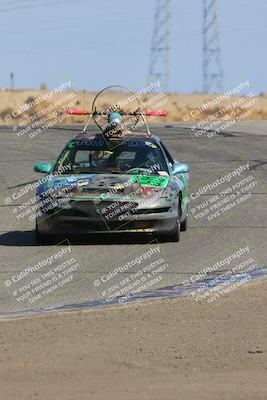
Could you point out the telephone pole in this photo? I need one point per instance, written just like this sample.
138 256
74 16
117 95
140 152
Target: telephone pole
11 81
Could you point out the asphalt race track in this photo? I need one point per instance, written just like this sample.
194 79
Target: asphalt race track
206 242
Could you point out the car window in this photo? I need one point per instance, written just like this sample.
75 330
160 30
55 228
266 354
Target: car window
81 156
169 157
127 157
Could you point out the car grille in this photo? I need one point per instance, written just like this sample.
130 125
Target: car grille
105 210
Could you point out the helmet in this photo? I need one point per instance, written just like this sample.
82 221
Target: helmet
115 119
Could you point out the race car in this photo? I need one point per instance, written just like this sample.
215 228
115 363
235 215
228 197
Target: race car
115 181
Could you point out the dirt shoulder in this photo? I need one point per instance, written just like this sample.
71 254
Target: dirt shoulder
167 349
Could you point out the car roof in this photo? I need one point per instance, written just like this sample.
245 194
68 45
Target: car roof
136 136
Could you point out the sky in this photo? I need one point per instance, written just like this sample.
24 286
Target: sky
96 43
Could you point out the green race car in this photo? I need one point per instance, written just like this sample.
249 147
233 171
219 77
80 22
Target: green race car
113 183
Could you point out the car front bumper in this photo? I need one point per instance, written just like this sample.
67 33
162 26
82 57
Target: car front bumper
67 223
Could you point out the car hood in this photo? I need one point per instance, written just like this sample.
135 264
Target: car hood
104 186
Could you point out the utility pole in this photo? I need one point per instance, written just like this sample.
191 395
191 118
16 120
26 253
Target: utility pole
11 81
159 67
212 63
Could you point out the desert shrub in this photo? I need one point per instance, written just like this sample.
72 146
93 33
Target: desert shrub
30 99
43 86
6 111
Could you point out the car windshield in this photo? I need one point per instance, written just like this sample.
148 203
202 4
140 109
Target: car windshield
123 157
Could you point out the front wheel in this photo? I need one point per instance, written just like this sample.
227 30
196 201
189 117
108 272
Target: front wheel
41 238
184 224
173 236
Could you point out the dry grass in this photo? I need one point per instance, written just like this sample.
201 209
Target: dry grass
180 107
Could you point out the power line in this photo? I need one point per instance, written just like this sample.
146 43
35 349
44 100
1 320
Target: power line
36 5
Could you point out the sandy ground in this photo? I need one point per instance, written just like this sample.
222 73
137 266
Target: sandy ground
168 349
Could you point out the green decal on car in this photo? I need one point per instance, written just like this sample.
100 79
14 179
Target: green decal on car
72 144
183 180
153 181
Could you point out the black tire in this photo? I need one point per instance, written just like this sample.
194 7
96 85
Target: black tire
184 224
41 238
173 236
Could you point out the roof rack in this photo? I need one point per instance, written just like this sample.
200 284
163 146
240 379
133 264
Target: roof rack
136 113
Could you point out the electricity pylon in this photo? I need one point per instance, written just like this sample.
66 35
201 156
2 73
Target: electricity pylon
212 63
159 67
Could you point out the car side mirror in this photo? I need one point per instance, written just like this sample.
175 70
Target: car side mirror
180 168
43 167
